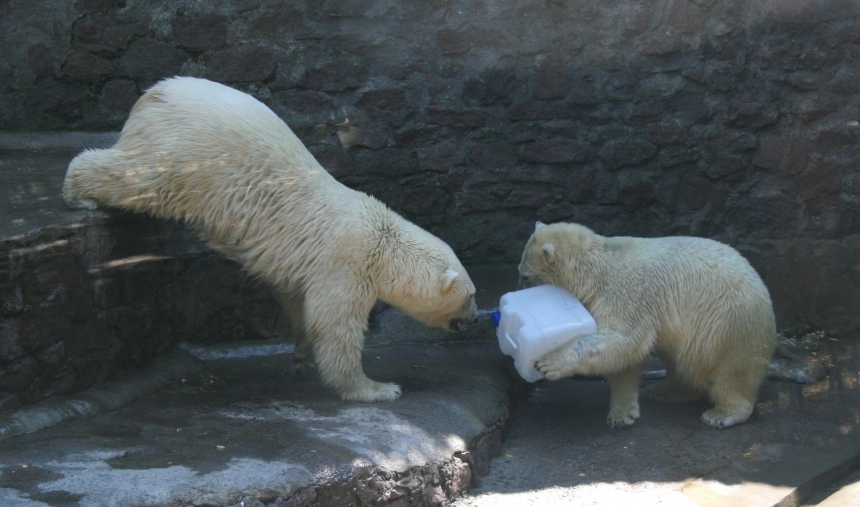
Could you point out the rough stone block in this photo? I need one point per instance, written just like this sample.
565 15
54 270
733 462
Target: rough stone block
539 110
119 95
86 66
625 152
335 76
386 103
492 86
246 63
201 33
695 193
40 58
555 152
424 200
785 154
102 30
493 156
454 42
525 197
149 60
390 162
307 101
635 191
99 5
440 158
283 20
53 96
551 80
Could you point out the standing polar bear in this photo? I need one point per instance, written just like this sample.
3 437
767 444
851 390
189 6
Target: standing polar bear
695 302
226 164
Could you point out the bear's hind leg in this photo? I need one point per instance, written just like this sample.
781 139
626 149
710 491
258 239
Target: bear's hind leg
293 305
733 403
624 397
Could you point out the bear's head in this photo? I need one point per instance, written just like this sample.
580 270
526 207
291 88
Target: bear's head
427 282
449 302
559 254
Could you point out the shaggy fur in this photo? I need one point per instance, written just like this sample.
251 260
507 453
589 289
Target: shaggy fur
697 303
226 164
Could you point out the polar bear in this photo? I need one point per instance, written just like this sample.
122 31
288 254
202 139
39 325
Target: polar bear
224 163
695 302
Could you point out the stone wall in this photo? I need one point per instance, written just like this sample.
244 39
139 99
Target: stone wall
82 301
733 120
726 119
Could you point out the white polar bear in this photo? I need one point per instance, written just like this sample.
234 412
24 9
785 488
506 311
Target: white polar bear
695 302
226 164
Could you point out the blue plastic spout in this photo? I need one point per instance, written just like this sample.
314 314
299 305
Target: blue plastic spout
495 317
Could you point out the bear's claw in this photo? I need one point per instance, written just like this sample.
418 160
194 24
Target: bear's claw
626 416
721 419
554 366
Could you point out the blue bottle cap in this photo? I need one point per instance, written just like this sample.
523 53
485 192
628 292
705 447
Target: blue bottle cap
495 317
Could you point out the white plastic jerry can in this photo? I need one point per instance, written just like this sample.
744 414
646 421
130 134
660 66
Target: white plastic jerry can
535 321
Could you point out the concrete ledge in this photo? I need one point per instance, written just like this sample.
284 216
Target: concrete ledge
70 141
96 400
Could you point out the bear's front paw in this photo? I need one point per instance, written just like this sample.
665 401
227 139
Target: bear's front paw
620 417
373 391
555 365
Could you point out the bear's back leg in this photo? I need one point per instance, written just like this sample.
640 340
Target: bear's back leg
735 384
292 303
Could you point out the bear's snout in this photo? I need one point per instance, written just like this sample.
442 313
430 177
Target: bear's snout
458 324
524 282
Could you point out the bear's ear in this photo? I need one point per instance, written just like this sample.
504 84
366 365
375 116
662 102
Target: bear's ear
448 279
548 250
539 225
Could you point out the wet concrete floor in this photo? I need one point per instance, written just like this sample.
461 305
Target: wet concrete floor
560 452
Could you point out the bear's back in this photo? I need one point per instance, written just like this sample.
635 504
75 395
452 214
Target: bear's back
687 270
197 119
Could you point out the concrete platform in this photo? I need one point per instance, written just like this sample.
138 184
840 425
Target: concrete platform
244 428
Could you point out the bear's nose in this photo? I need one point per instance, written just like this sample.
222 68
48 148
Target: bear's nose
458 325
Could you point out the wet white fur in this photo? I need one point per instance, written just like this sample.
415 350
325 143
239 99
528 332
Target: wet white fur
695 302
226 164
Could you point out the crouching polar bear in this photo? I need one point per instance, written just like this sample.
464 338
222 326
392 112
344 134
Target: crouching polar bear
226 164
695 302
